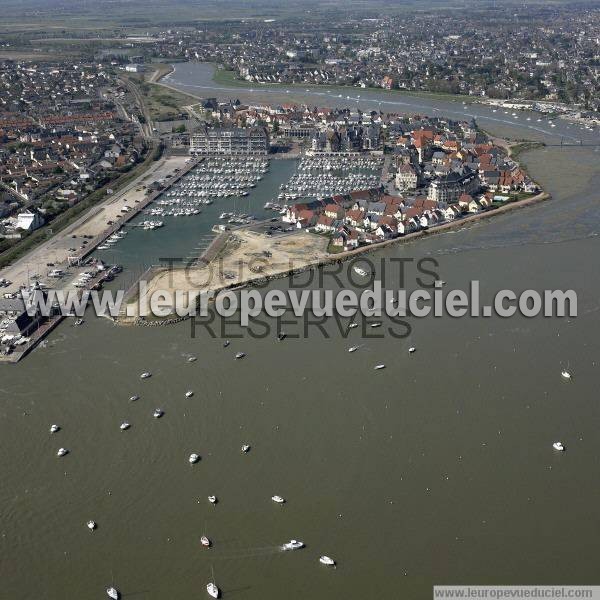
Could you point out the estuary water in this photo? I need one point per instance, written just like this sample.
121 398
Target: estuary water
438 469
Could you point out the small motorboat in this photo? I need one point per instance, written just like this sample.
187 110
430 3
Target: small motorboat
54 428
353 348
213 590
145 375
91 525
373 325
292 545
113 593
194 458
226 343
212 499
245 448
361 272
189 394
278 499
566 375
240 355
205 541
62 452
134 398
158 413
326 560
124 426
379 367
558 446
352 325
411 349
78 323
192 359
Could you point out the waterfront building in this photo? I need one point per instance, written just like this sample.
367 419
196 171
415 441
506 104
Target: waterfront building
230 141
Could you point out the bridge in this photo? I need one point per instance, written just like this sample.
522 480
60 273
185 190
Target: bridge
577 143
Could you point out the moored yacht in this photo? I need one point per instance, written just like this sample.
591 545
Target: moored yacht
361 272
240 355
124 426
54 428
62 452
245 447
194 458
205 541
91 525
326 560
134 398
213 590
379 367
113 593
411 349
566 375
353 349
558 446
278 499
212 499
189 394
158 413
145 375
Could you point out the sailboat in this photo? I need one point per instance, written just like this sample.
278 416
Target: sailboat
113 593
212 588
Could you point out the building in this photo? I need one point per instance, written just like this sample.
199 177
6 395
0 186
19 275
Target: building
29 220
450 187
230 141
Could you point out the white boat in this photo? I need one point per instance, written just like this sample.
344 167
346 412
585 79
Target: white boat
352 325
113 593
240 355
192 359
292 545
226 343
378 367
411 349
361 272
54 428
62 452
134 398
145 375
373 325
558 446
278 499
566 375
158 413
189 394
212 499
205 541
91 525
245 447
124 426
325 560
353 348
213 590
194 458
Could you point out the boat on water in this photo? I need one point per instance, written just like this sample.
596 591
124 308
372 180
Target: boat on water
353 348
62 452
194 458
373 325
226 343
326 560
91 525
205 541
566 375
278 499
240 355
212 499
124 426
54 428
145 375
292 545
113 593
352 325
558 446
213 590
78 323
379 367
411 349
361 272
189 394
158 413
134 398
192 359
245 447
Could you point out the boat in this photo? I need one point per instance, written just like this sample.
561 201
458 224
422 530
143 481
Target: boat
78 323
189 394
205 541
194 458
91 525
212 499
192 359
245 447
566 375
158 413
373 325
145 375
379 367
113 593
361 272
353 348
54 428
292 545
134 398
411 349
352 325
326 560
124 426
213 590
281 336
62 452
558 446
226 343
278 499
240 355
